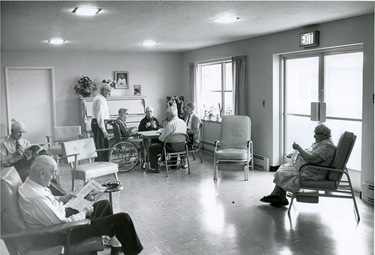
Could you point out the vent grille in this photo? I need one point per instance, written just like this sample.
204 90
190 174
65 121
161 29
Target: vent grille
367 193
261 162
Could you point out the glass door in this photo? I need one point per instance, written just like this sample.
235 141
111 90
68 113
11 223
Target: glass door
331 78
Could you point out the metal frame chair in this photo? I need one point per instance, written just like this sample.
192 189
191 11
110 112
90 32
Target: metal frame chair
333 186
196 147
175 150
235 146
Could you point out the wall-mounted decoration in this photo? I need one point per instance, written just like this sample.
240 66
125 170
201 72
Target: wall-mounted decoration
178 102
137 90
122 79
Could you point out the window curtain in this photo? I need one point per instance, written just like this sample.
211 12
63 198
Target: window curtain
193 74
239 72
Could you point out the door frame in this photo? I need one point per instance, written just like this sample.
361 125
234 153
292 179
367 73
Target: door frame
52 91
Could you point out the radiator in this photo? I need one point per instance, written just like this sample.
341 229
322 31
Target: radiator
261 162
367 193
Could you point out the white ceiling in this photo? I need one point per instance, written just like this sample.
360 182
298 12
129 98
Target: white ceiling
176 25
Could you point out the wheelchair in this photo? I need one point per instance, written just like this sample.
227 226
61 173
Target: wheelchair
126 151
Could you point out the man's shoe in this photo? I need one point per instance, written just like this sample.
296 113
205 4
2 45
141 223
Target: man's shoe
270 199
152 171
116 251
184 166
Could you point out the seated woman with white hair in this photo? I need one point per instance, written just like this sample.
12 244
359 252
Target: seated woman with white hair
287 177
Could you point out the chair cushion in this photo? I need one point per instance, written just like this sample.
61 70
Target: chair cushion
235 131
11 217
55 150
231 154
91 170
327 184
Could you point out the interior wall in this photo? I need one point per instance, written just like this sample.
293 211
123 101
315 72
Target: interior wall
159 74
261 51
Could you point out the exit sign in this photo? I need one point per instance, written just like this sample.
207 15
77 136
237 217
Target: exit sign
309 39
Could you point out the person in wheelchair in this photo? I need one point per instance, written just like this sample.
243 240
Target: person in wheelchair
121 122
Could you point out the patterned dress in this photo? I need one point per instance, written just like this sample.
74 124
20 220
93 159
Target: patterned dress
288 176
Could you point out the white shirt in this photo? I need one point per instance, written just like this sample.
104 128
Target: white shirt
100 111
8 147
40 208
175 125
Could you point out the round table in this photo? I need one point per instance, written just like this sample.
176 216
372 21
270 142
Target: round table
115 189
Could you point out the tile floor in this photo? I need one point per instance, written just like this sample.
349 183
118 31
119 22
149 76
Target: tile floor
193 215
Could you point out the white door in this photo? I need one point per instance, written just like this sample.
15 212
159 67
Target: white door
30 99
334 78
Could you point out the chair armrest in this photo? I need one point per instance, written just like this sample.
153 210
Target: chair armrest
217 143
58 228
105 149
323 168
71 155
49 140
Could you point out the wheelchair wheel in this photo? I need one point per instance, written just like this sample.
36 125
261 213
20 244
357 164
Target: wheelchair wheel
125 154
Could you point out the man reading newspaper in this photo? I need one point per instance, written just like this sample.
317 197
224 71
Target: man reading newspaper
89 194
40 208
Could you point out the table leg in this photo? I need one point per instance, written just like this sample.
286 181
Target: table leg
110 198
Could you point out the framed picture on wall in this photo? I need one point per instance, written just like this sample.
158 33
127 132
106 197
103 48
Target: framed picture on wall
137 90
122 79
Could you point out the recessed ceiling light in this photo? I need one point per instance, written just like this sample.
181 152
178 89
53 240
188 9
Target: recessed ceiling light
86 11
56 41
226 19
149 43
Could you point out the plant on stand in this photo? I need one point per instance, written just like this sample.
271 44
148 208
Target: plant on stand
109 82
85 86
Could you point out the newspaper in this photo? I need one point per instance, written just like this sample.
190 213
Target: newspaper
89 194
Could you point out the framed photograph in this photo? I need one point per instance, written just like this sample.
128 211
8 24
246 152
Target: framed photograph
137 90
122 79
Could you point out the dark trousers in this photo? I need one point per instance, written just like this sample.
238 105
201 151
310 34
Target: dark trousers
157 148
104 222
100 141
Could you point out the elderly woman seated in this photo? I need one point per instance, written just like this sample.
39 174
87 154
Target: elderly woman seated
287 177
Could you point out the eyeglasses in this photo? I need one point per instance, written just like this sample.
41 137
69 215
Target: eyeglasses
319 133
22 132
107 90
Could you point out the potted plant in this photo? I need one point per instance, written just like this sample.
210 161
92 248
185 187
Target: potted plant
85 86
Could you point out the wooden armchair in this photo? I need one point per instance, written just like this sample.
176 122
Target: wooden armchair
62 134
20 239
80 154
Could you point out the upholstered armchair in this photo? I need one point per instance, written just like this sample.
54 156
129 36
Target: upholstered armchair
20 239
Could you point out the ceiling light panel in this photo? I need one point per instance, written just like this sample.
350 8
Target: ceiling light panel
86 11
226 19
56 41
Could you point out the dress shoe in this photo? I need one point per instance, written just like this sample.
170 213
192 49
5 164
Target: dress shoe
152 171
270 198
184 166
116 251
281 202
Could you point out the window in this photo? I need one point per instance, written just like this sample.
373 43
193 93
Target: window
333 77
215 89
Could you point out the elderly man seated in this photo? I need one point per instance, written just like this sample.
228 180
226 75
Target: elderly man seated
149 122
121 122
175 125
12 148
40 208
